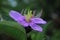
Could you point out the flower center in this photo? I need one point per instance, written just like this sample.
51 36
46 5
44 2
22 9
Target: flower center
28 15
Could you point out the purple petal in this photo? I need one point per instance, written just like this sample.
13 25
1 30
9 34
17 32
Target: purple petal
38 20
36 27
15 15
24 23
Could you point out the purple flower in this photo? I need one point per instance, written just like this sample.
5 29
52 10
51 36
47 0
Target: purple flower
27 20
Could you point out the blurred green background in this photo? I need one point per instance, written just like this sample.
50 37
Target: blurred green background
11 30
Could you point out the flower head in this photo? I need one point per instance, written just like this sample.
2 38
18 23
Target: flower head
27 20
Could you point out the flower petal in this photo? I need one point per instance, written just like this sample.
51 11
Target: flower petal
36 27
24 23
38 20
15 15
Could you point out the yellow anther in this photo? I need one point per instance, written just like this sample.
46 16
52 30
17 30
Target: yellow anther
28 15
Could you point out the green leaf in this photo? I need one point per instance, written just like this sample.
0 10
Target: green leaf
36 35
13 29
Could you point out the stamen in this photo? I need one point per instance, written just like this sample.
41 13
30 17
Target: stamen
28 15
